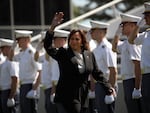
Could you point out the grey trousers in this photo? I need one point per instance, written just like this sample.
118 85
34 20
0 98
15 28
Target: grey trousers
49 106
100 104
133 105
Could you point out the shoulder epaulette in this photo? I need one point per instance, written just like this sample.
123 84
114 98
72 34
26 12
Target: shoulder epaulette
103 46
30 51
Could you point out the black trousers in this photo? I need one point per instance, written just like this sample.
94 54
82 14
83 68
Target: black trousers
146 92
3 103
133 105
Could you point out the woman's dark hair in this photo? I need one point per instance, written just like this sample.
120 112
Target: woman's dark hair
85 45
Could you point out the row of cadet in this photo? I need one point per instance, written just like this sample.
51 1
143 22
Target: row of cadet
78 69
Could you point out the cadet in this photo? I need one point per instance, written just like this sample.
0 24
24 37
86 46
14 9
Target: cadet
8 79
144 39
92 45
29 73
50 71
130 63
107 63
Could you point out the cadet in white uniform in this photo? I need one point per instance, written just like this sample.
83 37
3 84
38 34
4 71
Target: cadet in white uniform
107 63
8 79
29 72
144 39
50 71
130 63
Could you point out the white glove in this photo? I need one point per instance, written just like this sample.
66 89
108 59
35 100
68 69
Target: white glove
14 45
119 30
32 94
11 102
88 36
91 94
109 99
140 23
136 94
39 46
52 97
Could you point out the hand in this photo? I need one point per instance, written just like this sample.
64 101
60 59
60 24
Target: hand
14 45
109 99
32 94
136 94
11 102
114 93
58 18
39 46
91 94
88 36
52 96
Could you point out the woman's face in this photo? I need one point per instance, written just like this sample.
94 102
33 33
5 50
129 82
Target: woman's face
75 42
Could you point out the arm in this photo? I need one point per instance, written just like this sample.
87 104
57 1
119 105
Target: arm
138 76
58 18
133 35
113 76
14 84
37 81
98 76
114 43
116 39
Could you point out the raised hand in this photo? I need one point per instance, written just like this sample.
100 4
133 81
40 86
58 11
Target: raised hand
141 21
58 18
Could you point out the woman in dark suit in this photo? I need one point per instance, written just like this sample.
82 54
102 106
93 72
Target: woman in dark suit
76 63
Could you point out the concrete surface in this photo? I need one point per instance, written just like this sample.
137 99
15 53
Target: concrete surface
120 105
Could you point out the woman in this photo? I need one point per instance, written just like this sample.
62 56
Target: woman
75 63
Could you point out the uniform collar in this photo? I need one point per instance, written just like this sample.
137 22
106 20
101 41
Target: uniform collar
103 42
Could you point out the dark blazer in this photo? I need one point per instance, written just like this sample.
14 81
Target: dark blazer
72 85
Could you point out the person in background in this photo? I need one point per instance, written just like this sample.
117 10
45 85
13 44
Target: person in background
130 63
50 70
107 63
92 45
144 40
9 71
29 72
76 63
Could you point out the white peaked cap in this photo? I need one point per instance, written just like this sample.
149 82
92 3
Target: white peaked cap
83 27
97 24
22 33
129 18
147 7
43 34
6 42
61 33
